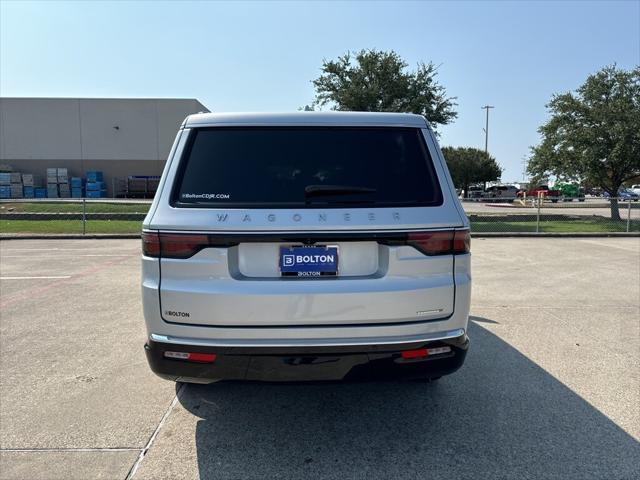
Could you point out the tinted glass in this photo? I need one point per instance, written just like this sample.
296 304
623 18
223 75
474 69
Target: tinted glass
272 167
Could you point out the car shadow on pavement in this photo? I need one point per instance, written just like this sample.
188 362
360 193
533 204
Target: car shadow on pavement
500 416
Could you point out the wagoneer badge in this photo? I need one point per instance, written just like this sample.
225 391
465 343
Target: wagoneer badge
297 217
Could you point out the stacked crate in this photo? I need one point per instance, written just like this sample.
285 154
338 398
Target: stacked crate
58 183
5 185
152 186
28 185
137 186
96 190
16 185
52 183
95 186
77 187
63 183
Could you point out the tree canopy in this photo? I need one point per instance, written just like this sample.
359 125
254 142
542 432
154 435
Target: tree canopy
470 165
593 134
378 81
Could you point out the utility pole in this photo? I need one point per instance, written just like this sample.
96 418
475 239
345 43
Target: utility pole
486 128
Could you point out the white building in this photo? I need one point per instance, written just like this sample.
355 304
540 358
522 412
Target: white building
120 137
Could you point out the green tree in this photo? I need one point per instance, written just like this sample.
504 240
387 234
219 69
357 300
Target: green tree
470 165
377 81
593 134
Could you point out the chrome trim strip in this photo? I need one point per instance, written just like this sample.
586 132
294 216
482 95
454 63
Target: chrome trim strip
199 342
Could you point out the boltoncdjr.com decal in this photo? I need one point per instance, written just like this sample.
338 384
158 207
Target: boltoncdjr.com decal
205 196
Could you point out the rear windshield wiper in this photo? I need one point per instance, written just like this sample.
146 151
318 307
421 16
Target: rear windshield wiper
322 190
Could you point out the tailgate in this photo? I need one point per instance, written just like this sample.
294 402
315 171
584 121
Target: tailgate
242 285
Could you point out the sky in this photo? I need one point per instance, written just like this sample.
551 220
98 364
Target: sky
262 56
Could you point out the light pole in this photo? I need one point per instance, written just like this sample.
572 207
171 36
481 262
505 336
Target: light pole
486 128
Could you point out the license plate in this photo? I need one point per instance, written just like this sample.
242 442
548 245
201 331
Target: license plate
312 261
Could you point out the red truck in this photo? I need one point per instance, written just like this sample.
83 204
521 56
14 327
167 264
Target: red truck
553 195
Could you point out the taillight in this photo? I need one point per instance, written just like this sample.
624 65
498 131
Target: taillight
432 243
461 242
150 244
181 245
169 245
445 242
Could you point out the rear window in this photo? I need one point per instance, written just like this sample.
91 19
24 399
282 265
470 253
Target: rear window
306 167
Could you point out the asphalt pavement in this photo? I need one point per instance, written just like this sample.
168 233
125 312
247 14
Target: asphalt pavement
550 388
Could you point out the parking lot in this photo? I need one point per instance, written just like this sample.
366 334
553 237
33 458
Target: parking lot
550 389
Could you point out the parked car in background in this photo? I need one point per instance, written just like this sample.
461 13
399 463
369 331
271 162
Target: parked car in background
552 195
635 189
500 193
475 192
628 194
569 191
305 246
625 195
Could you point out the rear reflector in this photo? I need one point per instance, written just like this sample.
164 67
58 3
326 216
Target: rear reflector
192 357
415 353
445 242
424 352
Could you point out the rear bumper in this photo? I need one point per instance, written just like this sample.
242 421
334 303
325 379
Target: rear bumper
293 364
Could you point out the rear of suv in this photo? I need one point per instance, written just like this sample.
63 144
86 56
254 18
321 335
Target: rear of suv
305 246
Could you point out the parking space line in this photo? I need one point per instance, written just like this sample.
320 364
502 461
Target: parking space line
53 277
31 294
47 450
64 254
164 418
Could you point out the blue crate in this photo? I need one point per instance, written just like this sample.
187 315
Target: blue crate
94 176
77 192
96 193
28 192
40 192
94 186
5 178
5 192
76 182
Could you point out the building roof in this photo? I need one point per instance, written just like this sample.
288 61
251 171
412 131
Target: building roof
307 119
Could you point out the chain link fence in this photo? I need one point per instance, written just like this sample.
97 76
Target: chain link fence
72 216
88 216
592 215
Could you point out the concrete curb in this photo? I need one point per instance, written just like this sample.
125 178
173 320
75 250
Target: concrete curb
68 236
72 216
554 234
113 236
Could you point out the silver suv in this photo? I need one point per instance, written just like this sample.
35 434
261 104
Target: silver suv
305 246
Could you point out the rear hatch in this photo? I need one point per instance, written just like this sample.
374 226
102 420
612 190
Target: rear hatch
306 226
